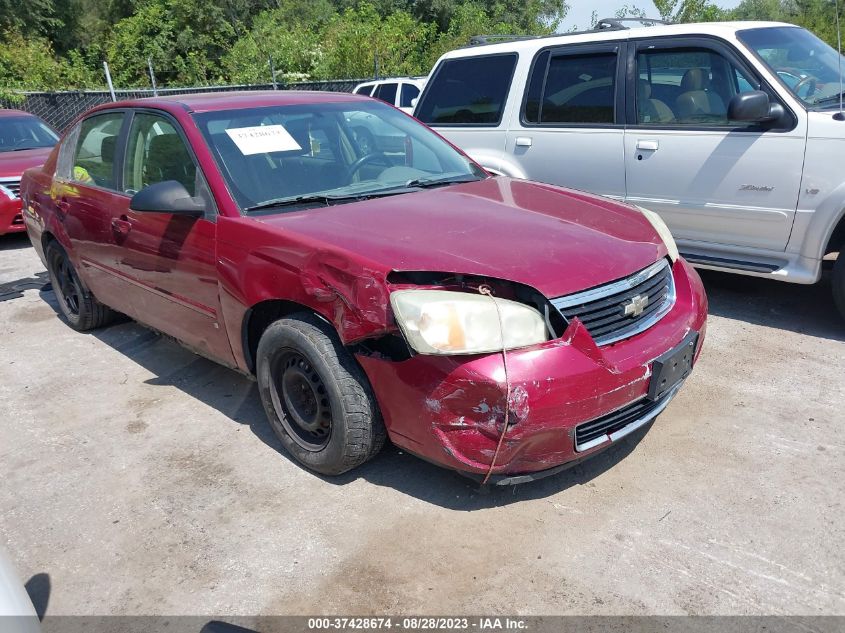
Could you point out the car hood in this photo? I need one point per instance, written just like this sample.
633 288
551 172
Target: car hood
13 164
555 240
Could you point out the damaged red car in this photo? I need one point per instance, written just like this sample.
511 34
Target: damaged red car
387 288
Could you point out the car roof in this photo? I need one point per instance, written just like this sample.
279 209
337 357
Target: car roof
529 45
10 113
215 101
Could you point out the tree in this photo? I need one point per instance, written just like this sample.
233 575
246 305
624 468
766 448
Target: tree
183 38
689 10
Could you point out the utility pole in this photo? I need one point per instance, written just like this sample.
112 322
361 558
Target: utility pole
152 76
272 72
108 80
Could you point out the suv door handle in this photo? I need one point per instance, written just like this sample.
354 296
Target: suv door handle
523 141
121 225
648 146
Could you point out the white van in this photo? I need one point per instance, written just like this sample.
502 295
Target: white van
730 131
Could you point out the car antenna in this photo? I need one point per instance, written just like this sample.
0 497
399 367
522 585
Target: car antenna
839 116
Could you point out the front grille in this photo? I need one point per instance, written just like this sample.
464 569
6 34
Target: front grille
12 185
597 431
623 308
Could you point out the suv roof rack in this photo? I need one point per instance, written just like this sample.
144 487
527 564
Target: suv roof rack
606 24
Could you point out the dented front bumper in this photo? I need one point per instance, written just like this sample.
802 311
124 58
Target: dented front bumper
450 410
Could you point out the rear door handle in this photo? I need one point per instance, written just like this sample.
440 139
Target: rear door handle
121 226
648 146
63 206
523 141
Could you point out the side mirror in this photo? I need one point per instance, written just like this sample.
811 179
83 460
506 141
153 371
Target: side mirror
754 107
166 197
414 102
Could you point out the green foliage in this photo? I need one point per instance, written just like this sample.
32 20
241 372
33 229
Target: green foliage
183 39
689 10
62 43
30 64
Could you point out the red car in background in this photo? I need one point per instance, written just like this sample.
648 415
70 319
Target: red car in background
25 141
498 327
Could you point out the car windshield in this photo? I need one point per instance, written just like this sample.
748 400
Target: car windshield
18 133
289 157
806 64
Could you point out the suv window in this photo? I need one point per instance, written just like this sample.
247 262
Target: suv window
364 90
409 93
687 86
93 162
468 91
386 92
155 152
572 89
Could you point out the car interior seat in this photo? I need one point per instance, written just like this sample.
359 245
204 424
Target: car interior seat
696 100
652 110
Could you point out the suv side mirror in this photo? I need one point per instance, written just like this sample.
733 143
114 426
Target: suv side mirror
169 196
414 102
754 107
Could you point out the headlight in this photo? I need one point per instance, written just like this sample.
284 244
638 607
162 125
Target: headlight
664 233
443 322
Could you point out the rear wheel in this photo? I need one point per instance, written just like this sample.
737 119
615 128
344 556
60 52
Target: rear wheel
316 397
839 282
76 304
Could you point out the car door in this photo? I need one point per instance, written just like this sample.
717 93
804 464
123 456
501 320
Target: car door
570 128
169 260
87 197
714 181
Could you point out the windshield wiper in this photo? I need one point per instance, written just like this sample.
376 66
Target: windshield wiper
423 183
325 199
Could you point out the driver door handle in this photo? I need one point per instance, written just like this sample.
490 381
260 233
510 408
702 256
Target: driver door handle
648 146
121 225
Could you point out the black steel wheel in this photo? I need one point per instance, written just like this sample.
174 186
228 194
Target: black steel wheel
301 401
316 397
76 303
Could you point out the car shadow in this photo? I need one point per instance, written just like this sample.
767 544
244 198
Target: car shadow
14 242
794 307
38 588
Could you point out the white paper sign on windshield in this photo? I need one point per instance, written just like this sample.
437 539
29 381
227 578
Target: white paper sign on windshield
261 139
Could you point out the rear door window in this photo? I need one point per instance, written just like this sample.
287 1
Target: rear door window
94 160
468 91
364 90
387 92
572 89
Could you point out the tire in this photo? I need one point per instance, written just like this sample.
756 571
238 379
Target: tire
76 303
317 399
838 282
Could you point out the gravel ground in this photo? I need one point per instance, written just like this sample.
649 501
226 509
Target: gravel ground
141 479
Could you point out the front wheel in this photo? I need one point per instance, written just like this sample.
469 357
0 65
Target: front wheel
839 282
76 304
316 397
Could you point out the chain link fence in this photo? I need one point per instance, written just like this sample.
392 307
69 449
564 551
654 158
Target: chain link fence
59 109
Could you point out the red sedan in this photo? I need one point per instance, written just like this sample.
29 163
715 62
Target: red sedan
502 328
25 141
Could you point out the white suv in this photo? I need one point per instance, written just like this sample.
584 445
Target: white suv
730 131
397 91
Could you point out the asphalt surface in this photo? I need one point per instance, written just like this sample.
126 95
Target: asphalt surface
138 478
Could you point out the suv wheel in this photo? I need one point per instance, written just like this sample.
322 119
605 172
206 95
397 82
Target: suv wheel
76 304
316 397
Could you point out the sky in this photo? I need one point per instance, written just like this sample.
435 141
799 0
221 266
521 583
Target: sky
580 11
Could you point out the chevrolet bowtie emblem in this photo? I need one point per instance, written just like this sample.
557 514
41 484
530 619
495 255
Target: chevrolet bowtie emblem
635 307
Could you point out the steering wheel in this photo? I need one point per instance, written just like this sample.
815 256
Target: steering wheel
810 81
373 157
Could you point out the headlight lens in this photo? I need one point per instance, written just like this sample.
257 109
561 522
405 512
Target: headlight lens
444 322
664 233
